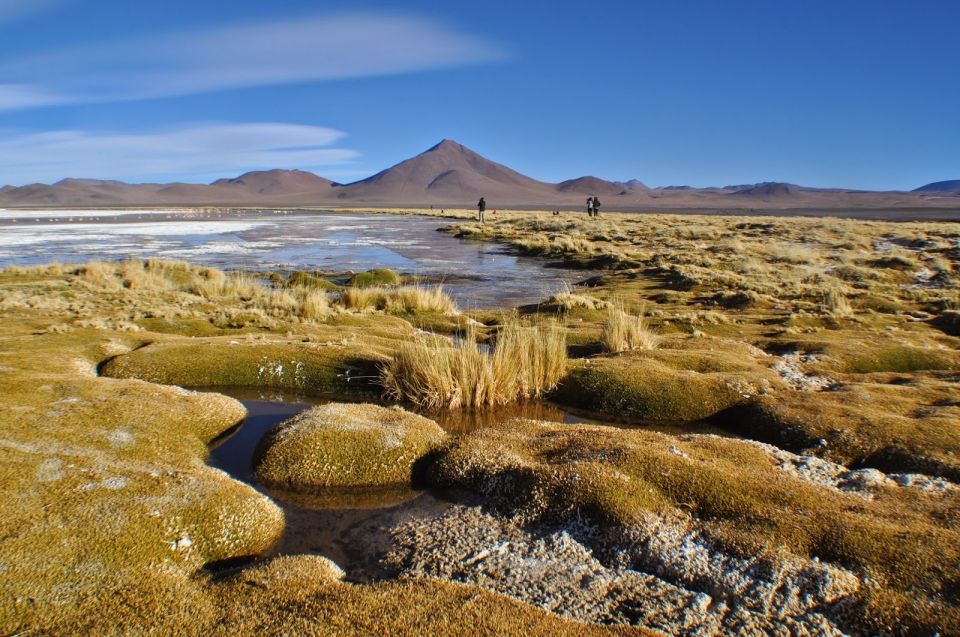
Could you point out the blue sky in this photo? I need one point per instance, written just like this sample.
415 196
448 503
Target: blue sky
861 94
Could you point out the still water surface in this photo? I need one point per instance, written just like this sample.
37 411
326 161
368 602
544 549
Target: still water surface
477 274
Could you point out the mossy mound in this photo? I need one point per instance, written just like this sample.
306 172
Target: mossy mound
869 354
323 368
307 280
664 385
345 445
103 480
731 489
891 423
373 278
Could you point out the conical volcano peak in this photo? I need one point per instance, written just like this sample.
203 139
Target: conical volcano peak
448 145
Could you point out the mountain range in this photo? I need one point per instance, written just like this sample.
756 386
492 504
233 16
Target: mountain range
451 175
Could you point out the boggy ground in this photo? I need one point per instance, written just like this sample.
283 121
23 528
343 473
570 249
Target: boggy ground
834 341
108 513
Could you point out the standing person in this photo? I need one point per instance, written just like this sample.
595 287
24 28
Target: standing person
596 206
589 206
481 208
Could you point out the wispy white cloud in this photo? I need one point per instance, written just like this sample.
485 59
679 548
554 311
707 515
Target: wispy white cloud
237 56
199 150
13 10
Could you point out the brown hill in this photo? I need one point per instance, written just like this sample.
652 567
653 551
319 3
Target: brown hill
273 182
446 173
767 189
592 186
951 185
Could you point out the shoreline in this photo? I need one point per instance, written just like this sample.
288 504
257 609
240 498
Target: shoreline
907 214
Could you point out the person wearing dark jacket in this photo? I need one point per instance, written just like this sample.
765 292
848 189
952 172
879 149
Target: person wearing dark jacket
596 206
482 208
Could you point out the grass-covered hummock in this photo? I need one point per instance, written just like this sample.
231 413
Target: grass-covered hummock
686 380
345 445
374 278
901 542
103 481
332 365
889 422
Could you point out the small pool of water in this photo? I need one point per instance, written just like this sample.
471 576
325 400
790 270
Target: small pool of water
348 528
352 528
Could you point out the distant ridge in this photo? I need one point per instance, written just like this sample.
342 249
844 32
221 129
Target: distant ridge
766 189
952 185
449 174
593 186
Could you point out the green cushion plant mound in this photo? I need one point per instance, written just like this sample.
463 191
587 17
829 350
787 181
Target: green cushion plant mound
373 278
663 385
883 423
307 280
323 368
345 445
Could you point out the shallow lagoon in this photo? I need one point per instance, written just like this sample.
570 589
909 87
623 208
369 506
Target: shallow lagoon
476 274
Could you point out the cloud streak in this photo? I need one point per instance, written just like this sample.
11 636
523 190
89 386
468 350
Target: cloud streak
13 10
200 150
239 56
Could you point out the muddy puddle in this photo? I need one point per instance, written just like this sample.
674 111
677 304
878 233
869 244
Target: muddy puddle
352 528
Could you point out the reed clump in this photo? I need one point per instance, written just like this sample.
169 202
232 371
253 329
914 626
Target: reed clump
623 331
407 299
526 362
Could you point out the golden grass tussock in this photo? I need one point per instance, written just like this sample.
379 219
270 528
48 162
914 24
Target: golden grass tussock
526 362
344 445
313 304
623 331
239 286
408 299
567 299
835 303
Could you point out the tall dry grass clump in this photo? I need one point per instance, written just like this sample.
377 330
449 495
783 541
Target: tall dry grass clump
404 299
238 286
526 362
100 274
313 304
623 331
835 303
